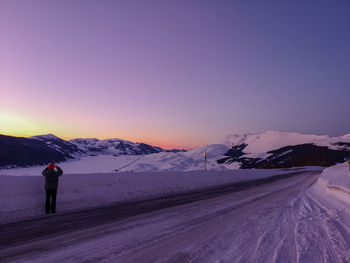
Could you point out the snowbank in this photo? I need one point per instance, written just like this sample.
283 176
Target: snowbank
23 196
335 181
332 193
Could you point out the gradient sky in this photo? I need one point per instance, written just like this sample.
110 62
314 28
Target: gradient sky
174 73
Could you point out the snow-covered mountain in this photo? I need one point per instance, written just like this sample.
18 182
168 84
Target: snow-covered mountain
271 149
42 149
272 140
94 146
274 149
66 148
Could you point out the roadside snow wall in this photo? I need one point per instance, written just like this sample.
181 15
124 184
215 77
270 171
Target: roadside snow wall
335 182
23 197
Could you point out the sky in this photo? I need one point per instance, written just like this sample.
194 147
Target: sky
176 74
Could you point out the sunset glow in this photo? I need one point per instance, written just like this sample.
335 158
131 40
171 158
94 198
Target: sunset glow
175 74
15 125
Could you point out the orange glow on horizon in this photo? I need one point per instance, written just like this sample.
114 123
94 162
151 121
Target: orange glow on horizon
20 125
166 146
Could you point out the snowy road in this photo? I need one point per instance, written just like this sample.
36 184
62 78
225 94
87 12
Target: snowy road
274 222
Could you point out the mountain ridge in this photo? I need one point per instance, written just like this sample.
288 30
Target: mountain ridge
42 149
270 149
265 150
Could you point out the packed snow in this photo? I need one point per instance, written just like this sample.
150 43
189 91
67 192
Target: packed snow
332 192
337 178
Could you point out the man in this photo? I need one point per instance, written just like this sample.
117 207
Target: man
51 184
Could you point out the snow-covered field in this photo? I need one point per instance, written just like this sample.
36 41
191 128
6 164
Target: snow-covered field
163 161
23 196
85 165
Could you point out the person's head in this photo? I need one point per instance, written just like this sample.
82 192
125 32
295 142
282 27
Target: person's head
52 166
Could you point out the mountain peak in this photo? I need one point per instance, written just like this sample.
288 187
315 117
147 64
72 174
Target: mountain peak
48 136
234 139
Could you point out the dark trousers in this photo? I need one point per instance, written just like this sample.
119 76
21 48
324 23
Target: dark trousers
50 203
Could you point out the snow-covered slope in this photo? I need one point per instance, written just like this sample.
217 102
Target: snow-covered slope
59 145
274 149
181 161
272 140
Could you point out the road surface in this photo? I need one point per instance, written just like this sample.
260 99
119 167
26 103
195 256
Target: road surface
265 221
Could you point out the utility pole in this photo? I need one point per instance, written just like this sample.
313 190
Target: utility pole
205 160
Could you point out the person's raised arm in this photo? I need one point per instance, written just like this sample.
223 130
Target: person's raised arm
59 171
44 172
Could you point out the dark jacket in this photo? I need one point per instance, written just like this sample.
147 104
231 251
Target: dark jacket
51 177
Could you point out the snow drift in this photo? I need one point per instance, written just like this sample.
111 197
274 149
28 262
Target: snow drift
334 184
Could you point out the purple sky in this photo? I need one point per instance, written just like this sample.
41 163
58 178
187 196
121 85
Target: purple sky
174 73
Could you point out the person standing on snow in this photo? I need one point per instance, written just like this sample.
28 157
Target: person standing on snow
51 184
